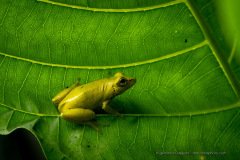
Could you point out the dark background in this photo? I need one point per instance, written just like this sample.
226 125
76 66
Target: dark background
20 145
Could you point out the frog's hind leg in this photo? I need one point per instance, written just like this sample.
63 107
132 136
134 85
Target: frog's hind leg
61 95
78 115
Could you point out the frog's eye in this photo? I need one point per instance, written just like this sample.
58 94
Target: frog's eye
122 82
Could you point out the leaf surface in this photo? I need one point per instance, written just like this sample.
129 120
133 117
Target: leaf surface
186 98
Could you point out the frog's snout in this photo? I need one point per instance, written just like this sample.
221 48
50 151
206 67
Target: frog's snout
132 81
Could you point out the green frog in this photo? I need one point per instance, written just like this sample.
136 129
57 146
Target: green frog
78 102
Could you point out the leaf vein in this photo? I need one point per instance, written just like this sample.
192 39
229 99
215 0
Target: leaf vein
154 60
142 9
225 129
215 52
235 105
192 70
165 134
199 78
114 32
8 122
36 90
5 14
23 83
4 82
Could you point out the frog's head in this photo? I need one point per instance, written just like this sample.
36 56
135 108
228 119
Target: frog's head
122 83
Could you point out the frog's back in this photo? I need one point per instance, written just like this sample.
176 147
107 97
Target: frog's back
86 96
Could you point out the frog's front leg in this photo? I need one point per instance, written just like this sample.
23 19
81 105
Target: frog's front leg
108 109
78 115
61 95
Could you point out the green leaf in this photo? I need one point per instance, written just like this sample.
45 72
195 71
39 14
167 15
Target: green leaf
231 23
224 24
186 99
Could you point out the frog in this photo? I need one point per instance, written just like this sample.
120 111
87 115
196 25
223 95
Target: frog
78 103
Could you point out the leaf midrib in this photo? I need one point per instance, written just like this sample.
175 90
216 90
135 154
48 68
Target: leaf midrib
226 70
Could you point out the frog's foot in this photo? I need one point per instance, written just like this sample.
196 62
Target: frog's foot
97 125
110 110
78 115
93 124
